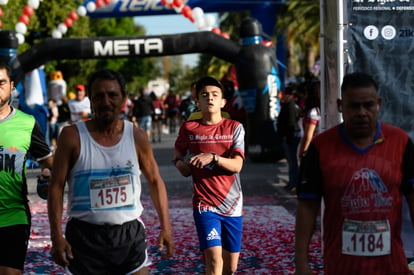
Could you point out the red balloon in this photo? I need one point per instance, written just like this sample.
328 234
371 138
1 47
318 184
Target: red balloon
28 10
164 2
216 31
1 12
73 15
225 35
177 3
99 3
107 2
187 12
24 19
68 22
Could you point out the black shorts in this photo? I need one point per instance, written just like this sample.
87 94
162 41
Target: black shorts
106 249
14 241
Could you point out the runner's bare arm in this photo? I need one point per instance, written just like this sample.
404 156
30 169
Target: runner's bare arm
158 192
67 146
180 163
307 211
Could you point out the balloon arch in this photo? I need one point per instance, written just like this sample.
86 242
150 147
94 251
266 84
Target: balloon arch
255 64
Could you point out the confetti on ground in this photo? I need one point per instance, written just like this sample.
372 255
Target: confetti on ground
267 248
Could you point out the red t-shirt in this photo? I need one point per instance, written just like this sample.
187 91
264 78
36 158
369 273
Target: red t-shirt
362 192
215 189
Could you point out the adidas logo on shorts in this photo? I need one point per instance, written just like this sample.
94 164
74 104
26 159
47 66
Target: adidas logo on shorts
213 235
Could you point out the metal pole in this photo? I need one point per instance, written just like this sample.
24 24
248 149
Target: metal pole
340 53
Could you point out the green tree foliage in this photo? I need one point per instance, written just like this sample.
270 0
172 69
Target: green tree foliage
52 12
299 22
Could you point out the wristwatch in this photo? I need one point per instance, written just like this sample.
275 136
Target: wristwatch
174 161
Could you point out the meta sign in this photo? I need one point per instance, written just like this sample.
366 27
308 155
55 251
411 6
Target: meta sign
128 47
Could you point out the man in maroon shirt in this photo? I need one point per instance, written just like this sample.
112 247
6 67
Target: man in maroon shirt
361 168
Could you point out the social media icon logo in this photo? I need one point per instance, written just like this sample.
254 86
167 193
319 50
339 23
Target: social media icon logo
388 32
371 32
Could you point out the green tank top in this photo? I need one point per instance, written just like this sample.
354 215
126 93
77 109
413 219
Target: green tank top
15 138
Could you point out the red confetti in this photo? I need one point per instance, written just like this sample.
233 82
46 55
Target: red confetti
267 247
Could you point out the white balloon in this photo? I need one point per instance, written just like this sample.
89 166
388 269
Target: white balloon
198 14
91 7
200 24
210 20
3 2
34 3
21 28
62 28
82 11
20 38
169 1
56 33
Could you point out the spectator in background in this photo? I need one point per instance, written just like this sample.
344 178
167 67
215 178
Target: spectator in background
80 107
64 114
289 133
312 116
234 104
164 122
56 88
53 122
188 105
173 102
130 104
157 117
142 112
125 111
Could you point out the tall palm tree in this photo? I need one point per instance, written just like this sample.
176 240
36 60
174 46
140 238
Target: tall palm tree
299 23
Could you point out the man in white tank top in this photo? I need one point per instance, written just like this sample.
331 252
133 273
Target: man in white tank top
98 161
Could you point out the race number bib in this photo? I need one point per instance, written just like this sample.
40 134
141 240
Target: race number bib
111 192
366 238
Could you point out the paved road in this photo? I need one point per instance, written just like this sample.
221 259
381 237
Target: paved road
258 178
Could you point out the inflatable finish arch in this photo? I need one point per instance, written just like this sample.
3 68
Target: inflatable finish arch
254 62
265 11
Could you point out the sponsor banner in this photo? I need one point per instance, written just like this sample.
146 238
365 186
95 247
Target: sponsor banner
380 41
154 7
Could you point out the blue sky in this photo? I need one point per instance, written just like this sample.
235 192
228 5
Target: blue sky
170 24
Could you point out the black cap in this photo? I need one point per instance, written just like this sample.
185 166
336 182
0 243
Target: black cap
250 27
207 81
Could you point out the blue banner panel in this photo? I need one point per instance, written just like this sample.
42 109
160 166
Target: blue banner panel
154 7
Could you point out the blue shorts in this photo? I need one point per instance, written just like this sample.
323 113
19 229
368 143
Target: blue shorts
144 122
218 230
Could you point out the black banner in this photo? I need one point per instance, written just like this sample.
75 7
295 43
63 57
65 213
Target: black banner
380 41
